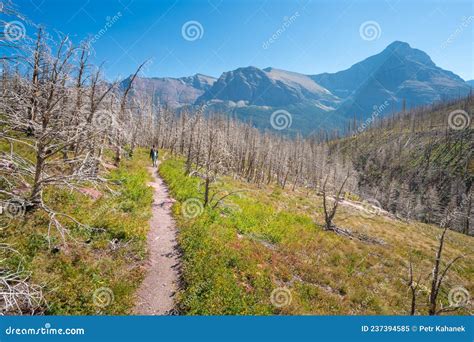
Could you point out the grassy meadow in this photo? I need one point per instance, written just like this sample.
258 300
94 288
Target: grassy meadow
97 266
263 251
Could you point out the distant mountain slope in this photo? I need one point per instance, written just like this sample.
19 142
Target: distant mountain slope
419 163
268 87
399 73
172 92
470 82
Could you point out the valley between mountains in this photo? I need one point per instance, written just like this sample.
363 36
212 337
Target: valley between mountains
260 192
398 77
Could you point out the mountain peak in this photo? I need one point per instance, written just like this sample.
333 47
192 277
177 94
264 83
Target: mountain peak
268 87
399 73
405 53
397 44
249 68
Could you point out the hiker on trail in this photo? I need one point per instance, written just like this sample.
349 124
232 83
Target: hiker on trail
154 155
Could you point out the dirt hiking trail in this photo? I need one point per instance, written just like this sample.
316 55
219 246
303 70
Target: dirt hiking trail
155 295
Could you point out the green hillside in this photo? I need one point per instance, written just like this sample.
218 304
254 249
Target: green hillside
263 238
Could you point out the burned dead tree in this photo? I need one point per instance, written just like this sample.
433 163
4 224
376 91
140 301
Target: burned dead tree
17 295
437 275
61 113
414 288
330 211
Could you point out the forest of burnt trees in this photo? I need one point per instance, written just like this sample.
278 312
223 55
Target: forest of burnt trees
420 167
59 118
59 108
412 164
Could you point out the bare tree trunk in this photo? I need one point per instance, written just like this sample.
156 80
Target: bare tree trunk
35 197
413 288
329 214
206 191
435 284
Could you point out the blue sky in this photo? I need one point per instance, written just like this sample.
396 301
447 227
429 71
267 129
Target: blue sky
319 35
